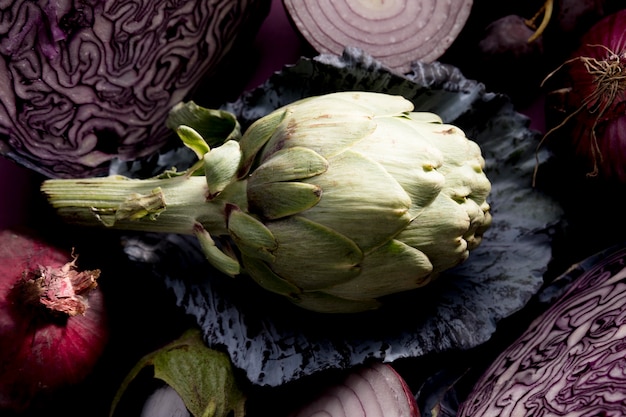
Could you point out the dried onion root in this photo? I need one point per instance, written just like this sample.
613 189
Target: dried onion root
396 32
593 100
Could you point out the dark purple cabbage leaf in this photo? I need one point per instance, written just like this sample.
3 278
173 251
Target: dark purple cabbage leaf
275 342
83 82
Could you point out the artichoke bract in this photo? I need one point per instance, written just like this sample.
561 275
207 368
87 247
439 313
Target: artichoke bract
333 201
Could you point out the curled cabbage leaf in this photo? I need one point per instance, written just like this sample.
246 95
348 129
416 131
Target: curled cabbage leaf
86 81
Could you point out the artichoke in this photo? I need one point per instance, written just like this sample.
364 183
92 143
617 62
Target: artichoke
333 201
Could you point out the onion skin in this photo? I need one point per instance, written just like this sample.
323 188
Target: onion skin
588 109
571 360
396 33
46 342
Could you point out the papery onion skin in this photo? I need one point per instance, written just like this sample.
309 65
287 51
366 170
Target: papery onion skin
592 112
571 361
42 351
397 33
83 82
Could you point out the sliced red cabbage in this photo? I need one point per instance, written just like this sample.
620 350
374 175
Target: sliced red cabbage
571 360
83 82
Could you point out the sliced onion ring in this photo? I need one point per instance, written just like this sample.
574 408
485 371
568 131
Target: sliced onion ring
373 390
396 32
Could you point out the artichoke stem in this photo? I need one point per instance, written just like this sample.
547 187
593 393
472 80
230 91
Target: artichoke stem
164 205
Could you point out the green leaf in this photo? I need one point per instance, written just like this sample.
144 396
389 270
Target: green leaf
203 377
215 126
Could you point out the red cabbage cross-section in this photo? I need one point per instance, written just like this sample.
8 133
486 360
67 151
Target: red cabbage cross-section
86 81
571 361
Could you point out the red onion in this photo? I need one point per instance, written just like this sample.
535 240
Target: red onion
374 390
396 32
592 100
53 325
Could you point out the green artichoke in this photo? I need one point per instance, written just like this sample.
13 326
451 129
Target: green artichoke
333 201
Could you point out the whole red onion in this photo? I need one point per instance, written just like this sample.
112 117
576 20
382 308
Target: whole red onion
592 100
53 325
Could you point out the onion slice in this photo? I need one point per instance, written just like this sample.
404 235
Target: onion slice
376 390
396 32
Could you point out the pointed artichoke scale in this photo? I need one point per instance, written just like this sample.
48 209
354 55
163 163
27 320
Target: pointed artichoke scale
256 136
251 236
317 301
216 257
221 165
392 268
369 102
281 199
326 130
273 190
289 165
312 256
379 104
440 237
263 275
399 145
361 200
